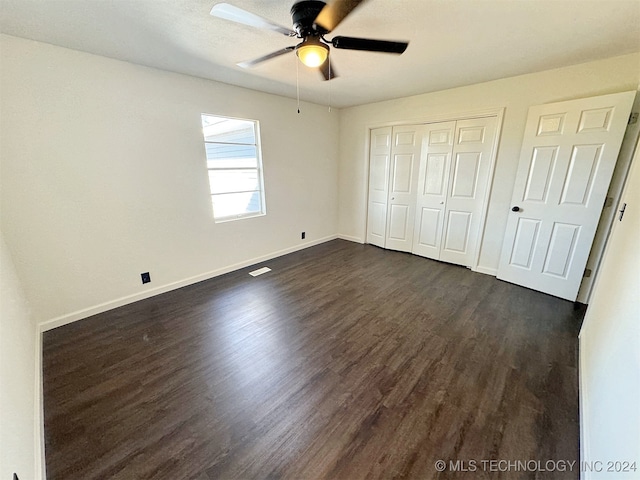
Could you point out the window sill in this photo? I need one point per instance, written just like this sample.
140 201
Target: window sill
238 217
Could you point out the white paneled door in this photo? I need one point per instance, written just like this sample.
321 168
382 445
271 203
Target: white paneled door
433 183
568 155
403 180
468 184
379 159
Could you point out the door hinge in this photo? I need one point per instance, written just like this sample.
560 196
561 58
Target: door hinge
633 118
608 202
587 272
624 207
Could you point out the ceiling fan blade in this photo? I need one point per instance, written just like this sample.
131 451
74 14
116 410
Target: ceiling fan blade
327 70
334 12
238 15
256 61
369 45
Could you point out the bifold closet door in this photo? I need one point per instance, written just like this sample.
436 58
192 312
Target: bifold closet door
427 187
466 194
403 179
433 183
379 159
452 185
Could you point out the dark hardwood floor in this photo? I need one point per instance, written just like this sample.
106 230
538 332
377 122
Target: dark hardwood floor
345 362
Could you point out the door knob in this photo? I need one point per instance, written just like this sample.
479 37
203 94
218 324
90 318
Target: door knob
515 209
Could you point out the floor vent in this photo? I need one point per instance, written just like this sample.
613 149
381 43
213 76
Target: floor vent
260 271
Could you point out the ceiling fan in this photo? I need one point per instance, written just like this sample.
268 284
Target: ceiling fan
312 20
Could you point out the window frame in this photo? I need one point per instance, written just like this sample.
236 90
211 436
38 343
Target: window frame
259 169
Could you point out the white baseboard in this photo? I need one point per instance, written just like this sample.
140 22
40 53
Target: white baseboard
350 238
583 409
486 270
119 302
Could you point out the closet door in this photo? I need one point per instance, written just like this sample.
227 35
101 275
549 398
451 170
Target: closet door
468 183
379 159
433 182
403 180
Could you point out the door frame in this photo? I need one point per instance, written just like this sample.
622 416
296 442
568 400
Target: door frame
609 211
446 117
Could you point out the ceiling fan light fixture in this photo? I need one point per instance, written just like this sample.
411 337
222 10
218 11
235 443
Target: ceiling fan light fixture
312 52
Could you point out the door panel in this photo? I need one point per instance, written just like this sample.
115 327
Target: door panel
471 134
398 227
465 175
582 167
561 249
377 219
540 170
551 124
526 238
379 165
568 155
379 159
433 181
598 120
405 156
402 173
429 227
404 138
469 178
457 235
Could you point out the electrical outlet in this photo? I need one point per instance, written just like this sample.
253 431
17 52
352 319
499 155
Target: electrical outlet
146 278
304 234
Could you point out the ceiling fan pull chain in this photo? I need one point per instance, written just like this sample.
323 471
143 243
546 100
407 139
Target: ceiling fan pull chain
297 85
330 77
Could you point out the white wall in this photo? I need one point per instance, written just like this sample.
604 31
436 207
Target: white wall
19 430
104 177
610 348
516 94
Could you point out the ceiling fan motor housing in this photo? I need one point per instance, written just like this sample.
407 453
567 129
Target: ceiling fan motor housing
303 14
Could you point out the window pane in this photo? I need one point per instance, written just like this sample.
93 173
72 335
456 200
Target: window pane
228 130
234 166
225 181
231 156
232 204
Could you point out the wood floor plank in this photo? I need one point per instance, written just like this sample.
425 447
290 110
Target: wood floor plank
345 361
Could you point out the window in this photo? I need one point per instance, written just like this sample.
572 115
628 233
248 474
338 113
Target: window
235 168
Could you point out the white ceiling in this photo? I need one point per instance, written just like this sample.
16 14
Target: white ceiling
452 42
